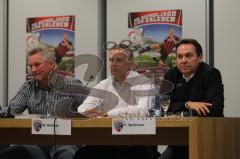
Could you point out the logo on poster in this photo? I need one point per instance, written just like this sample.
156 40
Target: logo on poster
37 124
118 125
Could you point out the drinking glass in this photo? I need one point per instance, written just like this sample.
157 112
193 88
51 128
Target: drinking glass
154 109
164 101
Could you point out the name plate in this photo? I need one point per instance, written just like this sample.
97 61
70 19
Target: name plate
122 126
47 126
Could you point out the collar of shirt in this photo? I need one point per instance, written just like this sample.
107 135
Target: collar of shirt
187 79
115 83
133 78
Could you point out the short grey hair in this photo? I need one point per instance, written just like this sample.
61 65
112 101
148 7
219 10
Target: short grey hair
46 51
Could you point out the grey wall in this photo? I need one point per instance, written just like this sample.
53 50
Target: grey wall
1 51
227 53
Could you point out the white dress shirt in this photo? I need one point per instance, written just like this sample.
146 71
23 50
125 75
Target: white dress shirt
122 98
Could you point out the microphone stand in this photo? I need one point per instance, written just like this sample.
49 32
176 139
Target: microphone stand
90 78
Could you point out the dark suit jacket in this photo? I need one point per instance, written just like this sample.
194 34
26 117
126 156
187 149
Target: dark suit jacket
205 86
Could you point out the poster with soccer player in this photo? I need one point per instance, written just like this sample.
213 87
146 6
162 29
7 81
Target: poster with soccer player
154 35
57 34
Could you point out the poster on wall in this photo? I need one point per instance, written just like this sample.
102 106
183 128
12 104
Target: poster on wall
57 34
154 35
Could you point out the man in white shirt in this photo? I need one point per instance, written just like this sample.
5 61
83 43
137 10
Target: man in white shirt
125 93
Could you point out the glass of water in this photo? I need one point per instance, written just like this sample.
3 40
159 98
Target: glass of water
164 101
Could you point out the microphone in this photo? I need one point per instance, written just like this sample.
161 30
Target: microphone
90 78
24 85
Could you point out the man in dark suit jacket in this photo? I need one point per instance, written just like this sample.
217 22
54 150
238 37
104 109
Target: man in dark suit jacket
197 87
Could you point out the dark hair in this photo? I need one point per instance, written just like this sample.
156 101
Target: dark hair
198 47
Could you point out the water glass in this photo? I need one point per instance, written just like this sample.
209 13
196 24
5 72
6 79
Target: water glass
164 101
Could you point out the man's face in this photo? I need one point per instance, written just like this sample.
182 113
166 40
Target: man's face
118 63
187 59
39 67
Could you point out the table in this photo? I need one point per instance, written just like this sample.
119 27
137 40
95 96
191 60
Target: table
207 138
